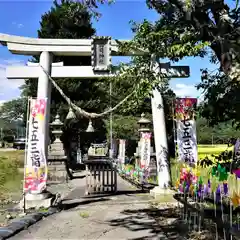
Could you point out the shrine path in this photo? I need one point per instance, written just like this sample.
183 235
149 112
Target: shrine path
126 215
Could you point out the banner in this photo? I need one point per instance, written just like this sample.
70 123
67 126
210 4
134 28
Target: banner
185 108
186 130
36 163
145 151
122 150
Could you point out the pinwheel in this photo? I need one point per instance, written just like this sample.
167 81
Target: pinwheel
177 184
196 172
235 199
191 189
200 181
225 188
237 173
214 171
222 173
205 190
214 184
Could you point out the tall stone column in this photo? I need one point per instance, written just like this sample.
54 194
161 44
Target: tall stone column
43 199
44 91
160 138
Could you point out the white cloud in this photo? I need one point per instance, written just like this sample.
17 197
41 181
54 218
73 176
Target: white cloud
183 90
18 25
9 89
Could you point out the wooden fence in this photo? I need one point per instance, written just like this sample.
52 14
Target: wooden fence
101 177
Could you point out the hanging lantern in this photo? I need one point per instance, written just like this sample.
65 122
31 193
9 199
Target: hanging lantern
71 114
90 127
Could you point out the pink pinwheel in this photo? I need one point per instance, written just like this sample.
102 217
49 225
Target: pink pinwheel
237 173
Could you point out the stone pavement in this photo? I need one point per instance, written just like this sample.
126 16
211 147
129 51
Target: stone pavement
125 215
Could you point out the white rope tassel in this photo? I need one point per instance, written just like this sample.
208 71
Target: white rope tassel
79 110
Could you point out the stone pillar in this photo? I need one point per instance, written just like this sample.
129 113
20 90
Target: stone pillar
160 135
160 138
43 199
44 91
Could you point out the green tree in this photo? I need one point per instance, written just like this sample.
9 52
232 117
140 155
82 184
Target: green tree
204 28
211 22
14 109
72 20
221 98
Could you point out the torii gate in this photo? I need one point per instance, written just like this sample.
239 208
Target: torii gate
101 49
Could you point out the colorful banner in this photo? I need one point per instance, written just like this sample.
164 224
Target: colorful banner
36 163
185 108
122 150
186 130
145 150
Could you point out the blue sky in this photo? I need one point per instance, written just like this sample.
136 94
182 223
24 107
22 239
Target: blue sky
22 18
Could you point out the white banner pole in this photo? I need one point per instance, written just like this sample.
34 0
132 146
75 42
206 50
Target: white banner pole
25 154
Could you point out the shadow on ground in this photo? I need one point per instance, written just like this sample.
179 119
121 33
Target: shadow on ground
118 193
66 205
75 194
160 223
72 202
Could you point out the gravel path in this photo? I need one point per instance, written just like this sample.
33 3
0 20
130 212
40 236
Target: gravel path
126 215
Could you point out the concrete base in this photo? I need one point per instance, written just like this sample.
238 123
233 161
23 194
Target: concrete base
163 195
37 201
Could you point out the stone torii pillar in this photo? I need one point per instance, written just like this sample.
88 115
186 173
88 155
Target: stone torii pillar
44 91
160 132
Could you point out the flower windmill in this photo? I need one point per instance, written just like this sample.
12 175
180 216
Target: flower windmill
220 173
234 191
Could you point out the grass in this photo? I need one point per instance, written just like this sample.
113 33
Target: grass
15 156
12 163
11 176
209 150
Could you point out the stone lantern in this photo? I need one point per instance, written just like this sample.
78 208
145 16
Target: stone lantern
144 124
56 156
144 127
57 146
